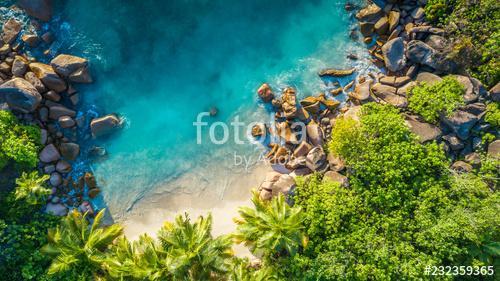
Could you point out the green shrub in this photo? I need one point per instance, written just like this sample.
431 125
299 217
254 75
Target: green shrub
492 115
473 27
19 143
397 217
430 101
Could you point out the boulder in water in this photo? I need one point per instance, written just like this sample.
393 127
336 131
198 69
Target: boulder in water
40 9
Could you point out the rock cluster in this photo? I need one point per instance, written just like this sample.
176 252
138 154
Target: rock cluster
298 134
43 94
408 51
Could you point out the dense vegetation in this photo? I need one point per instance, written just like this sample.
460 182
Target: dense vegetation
432 101
403 211
23 229
474 27
18 143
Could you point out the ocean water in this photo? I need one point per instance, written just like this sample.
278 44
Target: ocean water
160 63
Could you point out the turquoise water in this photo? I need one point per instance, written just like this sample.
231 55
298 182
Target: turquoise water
160 63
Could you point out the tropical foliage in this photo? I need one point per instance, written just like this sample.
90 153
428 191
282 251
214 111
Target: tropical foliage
182 251
473 25
432 101
19 143
78 247
32 188
403 211
274 228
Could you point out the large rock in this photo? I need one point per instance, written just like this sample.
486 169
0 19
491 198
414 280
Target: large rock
362 91
382 26
437 42
461 122
55 112
366 28
69 151
425 131
428 78
19 66
394 54
49 154
40 9
302 149
48 76
314 134
284 185
289 103
333 176
31 77
265 92
334 72
20 94
316 159
56 209
370 13
461 167
104 125
63 167
393 19
419 52
11 29
388 94
73 68
494 149
469 95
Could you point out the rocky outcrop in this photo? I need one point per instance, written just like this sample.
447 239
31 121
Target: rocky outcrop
48 76
73 68
460 122
394 54
425 131
421 53
20 94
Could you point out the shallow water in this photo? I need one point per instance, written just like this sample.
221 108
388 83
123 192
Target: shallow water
160 63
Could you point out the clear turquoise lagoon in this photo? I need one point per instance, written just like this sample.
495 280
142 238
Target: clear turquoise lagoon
159 63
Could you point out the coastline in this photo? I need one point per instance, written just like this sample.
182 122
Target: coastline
149 214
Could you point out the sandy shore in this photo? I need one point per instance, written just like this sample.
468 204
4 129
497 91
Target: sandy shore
221 196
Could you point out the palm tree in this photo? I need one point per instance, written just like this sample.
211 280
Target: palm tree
198 255
31 188
272 227
75 245
143 259
183 251
242 271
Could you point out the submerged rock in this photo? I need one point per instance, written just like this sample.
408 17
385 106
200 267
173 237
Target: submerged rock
336 72
40 9
69 151
105 125
265 93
